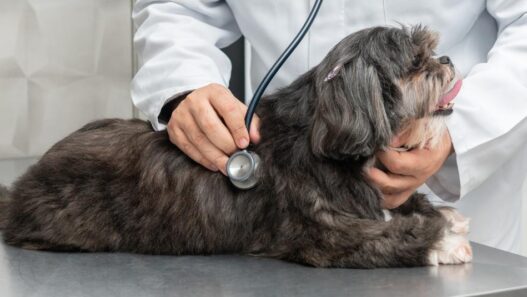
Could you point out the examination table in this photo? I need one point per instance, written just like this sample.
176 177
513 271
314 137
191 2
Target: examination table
46 274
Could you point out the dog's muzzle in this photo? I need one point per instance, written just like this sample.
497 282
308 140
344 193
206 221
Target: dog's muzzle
446 104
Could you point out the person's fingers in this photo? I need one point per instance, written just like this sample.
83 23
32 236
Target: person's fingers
446 143
211 125
396 189
390 183
232 112
404 163
401 138
395 200
397 141
255 129
203 144
178 138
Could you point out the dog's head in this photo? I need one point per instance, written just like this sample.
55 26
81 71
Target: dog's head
377 83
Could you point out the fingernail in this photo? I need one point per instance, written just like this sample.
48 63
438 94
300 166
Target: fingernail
224 172
243 142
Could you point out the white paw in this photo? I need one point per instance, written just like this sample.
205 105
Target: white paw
454 247
456 222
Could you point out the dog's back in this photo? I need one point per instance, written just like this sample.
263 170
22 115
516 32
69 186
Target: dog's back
117 185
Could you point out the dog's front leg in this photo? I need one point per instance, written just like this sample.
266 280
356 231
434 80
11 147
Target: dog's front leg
403 241
453 247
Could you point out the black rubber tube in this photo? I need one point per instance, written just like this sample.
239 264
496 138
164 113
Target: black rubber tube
278 64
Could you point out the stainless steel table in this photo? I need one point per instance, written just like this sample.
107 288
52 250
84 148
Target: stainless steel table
30 273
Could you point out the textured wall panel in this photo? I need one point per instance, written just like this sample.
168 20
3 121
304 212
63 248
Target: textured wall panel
63 63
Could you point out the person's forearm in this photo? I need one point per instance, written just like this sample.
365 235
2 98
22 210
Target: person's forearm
490 107
178 48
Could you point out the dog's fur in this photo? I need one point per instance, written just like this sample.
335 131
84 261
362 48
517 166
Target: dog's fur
116 185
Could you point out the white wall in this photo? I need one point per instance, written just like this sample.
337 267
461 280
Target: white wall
63 63
524 218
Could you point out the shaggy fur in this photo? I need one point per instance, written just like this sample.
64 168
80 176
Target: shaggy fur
4 203
117 185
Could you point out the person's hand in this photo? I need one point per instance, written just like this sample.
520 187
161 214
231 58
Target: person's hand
407 170
209 125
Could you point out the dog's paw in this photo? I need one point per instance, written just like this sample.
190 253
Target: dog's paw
457 224
451 249
454 247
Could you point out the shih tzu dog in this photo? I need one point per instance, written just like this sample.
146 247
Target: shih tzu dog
117 185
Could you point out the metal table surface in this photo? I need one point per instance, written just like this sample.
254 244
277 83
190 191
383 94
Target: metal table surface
33 273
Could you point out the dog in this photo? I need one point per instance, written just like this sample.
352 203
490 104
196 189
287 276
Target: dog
118 186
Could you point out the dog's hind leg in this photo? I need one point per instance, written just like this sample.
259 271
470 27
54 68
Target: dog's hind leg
49 238
28 243
52 227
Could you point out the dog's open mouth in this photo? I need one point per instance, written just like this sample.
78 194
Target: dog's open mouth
445 104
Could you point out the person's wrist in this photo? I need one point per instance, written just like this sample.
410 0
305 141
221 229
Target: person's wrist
170 106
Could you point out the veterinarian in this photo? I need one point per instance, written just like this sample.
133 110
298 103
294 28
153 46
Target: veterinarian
481 167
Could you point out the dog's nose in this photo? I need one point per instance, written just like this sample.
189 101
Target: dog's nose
445 60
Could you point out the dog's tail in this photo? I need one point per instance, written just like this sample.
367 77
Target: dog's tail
4 202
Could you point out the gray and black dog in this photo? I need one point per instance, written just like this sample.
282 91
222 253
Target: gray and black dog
117 185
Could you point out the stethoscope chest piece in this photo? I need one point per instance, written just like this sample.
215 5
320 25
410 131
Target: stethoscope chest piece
241 169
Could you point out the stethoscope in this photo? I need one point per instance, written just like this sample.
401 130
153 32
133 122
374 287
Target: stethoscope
242 165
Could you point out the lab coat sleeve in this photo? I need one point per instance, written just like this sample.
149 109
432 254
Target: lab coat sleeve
492 102
177 45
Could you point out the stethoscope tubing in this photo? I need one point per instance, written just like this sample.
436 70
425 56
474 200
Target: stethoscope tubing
278 64
247 159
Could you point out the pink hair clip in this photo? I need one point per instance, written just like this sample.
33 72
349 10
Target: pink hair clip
333 72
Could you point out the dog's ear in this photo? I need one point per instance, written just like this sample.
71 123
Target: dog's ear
350 120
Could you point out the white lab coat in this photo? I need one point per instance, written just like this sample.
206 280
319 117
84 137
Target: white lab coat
178 41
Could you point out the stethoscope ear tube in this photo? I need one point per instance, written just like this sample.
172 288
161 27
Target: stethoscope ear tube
242 165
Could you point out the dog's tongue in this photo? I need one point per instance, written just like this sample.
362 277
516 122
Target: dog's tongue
451 94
